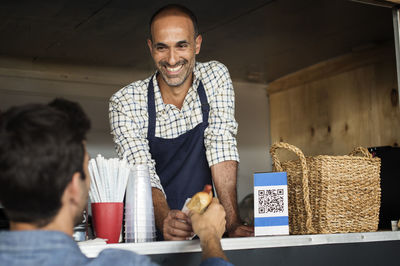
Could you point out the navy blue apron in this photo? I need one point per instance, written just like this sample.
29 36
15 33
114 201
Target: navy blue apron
181 162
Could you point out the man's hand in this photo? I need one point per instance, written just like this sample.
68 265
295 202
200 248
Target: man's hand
210 226
176 226
239 230
211 222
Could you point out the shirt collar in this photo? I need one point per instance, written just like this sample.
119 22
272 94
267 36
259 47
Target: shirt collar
158 101
196 75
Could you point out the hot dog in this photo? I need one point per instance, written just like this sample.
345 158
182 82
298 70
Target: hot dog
201 200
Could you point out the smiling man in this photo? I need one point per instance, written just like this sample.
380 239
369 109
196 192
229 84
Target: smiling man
180 122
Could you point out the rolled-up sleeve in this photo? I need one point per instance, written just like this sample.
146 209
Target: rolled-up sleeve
128 122
220 135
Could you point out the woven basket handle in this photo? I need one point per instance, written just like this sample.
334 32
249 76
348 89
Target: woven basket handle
278 167
363 151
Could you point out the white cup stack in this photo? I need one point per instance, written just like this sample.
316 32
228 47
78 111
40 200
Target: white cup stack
139 214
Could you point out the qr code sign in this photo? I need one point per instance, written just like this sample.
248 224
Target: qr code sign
271 201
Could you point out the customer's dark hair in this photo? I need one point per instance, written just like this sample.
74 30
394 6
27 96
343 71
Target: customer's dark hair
180 8
41 147
77 117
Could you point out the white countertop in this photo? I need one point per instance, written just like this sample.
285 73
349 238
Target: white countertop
166 247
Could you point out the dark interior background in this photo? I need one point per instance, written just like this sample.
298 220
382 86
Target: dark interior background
259 40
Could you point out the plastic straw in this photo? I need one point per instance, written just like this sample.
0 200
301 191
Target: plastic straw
109 179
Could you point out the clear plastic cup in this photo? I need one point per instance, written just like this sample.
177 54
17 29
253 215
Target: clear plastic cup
139 214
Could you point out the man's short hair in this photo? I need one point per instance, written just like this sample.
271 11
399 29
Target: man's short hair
180 8
41 147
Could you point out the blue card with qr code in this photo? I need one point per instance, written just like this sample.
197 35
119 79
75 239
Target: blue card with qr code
271 204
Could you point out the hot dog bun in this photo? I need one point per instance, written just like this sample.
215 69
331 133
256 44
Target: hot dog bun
201 200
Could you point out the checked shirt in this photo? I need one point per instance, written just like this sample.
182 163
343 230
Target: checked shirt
129 118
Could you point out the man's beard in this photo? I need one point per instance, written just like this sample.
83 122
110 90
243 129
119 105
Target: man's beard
183 76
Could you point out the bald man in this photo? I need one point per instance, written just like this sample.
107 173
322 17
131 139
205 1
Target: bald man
180 122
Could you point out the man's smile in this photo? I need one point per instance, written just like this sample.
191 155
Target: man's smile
174 70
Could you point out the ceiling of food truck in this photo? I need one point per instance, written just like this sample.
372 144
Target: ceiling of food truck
259 40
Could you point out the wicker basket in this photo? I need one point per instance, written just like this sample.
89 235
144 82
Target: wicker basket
331 194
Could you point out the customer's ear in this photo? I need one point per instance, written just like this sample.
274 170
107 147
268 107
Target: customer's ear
73 190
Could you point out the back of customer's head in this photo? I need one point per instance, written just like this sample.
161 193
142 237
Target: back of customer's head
41 147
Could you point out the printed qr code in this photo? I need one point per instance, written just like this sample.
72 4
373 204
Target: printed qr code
270 201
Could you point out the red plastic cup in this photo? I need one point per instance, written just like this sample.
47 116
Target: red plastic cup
107 220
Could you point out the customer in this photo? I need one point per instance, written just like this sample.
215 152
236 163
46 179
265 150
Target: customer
44 185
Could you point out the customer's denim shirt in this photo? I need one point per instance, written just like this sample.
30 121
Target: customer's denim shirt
44 248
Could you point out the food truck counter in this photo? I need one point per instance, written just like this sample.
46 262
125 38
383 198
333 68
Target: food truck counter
372 248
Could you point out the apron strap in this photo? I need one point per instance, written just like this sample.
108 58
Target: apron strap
151 106
205 107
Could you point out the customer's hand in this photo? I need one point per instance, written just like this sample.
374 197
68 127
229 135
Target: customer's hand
176 226
211 223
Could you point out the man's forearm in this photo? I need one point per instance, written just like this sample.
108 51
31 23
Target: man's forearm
224 177
161 207
211 247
